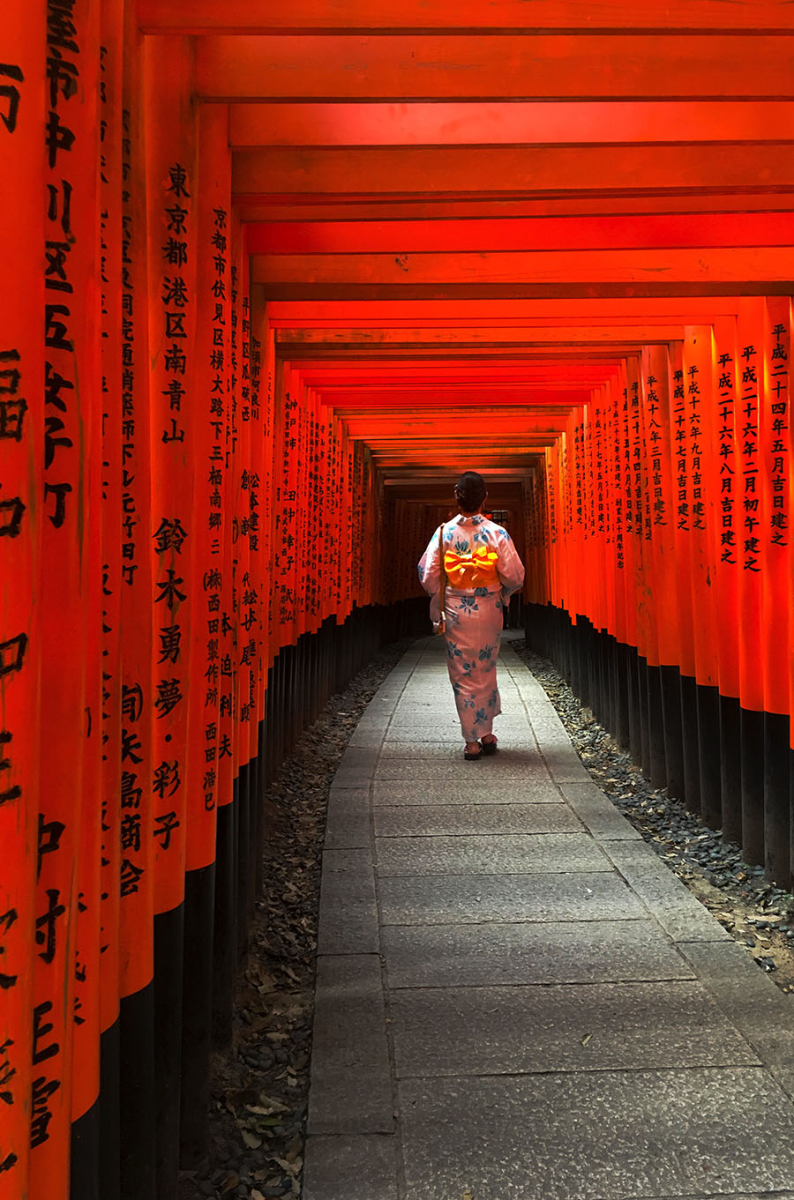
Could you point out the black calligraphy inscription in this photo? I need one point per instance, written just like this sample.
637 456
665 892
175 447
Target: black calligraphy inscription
43 1091
216 411
7 919
749 425
10 94
170 534
779 425
726 452
63 75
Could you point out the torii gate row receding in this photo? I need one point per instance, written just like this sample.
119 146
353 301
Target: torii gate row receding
272 275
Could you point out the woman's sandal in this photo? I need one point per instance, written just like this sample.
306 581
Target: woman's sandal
489 747
472 757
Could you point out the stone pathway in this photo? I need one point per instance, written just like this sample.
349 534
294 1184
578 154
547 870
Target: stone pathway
515 997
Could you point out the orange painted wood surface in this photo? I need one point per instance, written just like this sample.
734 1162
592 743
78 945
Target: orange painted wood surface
269 207
243 16
292 340
516 123
583 233
733 266
484 171
22 412
442 67
292 312
208 447
172 212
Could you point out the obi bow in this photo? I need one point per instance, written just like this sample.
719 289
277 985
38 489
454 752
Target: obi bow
472 571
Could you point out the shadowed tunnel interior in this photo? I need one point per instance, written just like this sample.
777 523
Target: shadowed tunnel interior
276 275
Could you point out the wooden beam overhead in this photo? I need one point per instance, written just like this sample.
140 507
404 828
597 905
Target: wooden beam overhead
517 123
296 312
303 16
289 339
431 207
479 171
542 233
541 66
453 397
728 265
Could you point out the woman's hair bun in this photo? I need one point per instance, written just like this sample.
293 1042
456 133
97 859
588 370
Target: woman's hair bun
470 491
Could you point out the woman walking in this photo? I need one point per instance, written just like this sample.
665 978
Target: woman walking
481 567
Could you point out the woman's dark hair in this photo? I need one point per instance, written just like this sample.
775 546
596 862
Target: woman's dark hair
470 491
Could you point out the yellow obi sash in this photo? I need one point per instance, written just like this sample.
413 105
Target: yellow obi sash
478 570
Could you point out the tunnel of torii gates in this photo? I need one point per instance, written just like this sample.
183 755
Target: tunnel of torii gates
272 275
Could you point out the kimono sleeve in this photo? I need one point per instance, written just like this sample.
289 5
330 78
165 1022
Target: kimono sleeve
430 567
511 568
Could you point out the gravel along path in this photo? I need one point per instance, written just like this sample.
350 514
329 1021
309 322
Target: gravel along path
260 1088
759 916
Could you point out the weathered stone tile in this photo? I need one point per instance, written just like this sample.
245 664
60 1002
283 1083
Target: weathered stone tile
460 819
599 1136
480 955
348 908
362 1167
350 1090
458 899
516 854
597 1027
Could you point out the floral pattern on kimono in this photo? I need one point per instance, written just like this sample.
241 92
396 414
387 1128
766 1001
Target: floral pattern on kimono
479 553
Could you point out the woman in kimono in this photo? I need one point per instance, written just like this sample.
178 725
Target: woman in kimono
482 570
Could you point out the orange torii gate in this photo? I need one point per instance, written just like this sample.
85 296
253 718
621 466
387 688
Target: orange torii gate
260 263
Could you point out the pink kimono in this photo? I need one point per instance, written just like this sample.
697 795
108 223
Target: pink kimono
483 570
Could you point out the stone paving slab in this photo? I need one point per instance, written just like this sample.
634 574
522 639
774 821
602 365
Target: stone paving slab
457 899
681 915
599 1136
418 734
516 854
391 793
762 1014
515 735
552 952
350 1088
349 820
507 772
597 813
360 1167
461 819
361 757
366 738
564 766
348 906
352 777
446 752
524 1030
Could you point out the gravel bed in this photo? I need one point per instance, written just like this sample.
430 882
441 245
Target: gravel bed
759 915
260 1089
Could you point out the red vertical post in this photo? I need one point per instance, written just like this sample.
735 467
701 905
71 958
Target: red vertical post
775 444
172 200
22 76
240 666
69 635
664 519
136 877
85 1141
697 354
110 198
750 381
211 354
726 488
213 205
